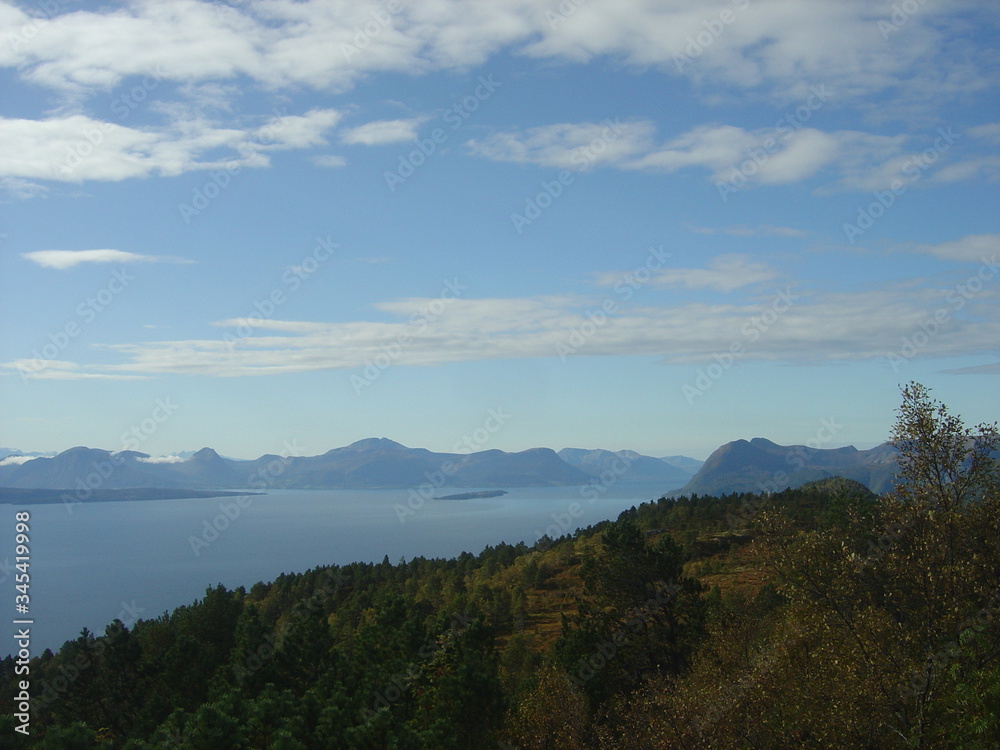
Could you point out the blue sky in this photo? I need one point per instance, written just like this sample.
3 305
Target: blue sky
655 226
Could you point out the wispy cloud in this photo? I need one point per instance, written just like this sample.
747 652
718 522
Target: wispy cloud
382 132
973 248
813 326
53 369
21 189
988 132
63 259
331 161
725 273
989 369
568 145
762 230
855 160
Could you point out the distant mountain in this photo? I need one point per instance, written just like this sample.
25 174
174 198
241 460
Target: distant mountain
83 468
690 465
636 467
206 467
366 464
759 464
188 454
380 463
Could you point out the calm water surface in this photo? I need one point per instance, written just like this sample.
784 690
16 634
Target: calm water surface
136 559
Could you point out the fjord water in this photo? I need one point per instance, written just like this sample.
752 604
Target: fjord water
92 563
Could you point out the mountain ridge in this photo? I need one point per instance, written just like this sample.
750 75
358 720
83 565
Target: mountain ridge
760 464
372 463
380 463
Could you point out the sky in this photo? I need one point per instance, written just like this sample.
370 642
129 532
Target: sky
269 226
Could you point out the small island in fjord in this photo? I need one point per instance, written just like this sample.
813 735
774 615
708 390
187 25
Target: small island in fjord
473 495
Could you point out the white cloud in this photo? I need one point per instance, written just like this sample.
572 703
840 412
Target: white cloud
331 161
568 145
63 259
21 189
294 131
204 51
161 460
769 45
989 132
715 147
973 248
75 148
805 153
382 132
730 154
986 165
16 460
789 323
725 273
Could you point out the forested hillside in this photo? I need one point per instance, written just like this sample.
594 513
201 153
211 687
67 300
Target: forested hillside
821 617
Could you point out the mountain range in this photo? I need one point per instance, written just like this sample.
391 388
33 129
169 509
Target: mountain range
380 463
367 464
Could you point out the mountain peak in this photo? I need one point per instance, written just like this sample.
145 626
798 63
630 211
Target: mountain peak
371 444
206 454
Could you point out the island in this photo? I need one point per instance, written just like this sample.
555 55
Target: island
473 495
